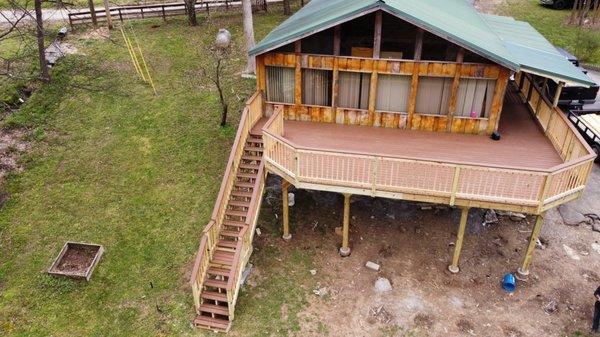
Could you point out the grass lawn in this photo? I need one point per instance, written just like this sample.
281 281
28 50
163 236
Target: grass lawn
550 23
138 173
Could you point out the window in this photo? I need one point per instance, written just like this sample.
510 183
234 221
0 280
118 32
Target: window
280 85
393 92
474 97
316 87
433 95
354 90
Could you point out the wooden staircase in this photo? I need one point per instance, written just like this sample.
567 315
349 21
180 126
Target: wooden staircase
219 291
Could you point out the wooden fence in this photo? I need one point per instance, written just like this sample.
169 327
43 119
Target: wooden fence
210 235
537 190
163 11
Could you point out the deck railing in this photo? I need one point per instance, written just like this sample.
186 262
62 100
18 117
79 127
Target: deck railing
210 235
536 189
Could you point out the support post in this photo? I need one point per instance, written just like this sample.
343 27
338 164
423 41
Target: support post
286 210
557 94
523 271
377 35
337 33
459 240
345 249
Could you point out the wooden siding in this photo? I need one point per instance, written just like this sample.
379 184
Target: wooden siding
412 119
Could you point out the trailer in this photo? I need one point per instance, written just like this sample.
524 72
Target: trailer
588 124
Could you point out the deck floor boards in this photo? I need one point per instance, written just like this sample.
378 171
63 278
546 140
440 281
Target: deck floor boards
523 144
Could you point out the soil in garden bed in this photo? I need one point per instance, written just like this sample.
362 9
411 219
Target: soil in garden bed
77 259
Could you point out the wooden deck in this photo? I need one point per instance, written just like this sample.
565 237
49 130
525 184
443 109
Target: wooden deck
523 144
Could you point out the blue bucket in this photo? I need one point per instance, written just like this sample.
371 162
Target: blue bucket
509 283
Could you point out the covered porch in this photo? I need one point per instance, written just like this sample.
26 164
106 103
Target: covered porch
539 162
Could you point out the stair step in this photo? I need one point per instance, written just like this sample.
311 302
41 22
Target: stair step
218 271
252 158
236 213
246 175
212 323
215 309
234 223
227 244
254 149
249 166
244 194
232 234
254 140
223 257
238 203
216 283
214 296
244 184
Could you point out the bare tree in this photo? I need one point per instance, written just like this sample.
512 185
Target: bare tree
190 6
39 33
287 10
249 33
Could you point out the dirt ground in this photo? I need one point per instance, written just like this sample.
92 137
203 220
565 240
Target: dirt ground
487 6
413 244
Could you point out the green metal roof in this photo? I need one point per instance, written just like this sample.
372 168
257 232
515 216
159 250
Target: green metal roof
513 44
533 52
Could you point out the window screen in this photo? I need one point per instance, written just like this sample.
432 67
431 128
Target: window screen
474 98
354 90
393 92
316 87
280 84
433 95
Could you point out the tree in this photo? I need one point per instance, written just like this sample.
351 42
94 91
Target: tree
14 28
39 28
190 7
215 68
287 10
249 33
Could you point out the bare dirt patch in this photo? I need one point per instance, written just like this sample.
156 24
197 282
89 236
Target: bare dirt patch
13 143
413 244
487 6
77 259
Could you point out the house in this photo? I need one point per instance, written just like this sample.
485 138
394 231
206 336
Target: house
424 100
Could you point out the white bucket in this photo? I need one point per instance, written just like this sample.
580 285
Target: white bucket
291 199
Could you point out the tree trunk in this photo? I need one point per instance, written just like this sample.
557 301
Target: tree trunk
249 32
190 6
286 7
44 75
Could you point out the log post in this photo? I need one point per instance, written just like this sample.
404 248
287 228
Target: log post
345 249
286 210
93 12
557 94
459 240
523 271
377 35
108 17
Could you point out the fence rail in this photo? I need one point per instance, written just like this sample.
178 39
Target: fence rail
163 11
536 189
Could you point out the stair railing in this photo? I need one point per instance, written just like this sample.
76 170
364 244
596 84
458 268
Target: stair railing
210 235
244 245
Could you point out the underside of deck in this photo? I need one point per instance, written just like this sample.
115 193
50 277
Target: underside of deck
523 144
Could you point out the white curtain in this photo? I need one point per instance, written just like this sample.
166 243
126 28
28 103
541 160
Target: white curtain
354 90
280 84
393 92
474 98
316 87
433 95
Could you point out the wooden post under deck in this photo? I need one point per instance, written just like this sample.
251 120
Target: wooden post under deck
345 249
535 233
557 94
286 210
459 241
